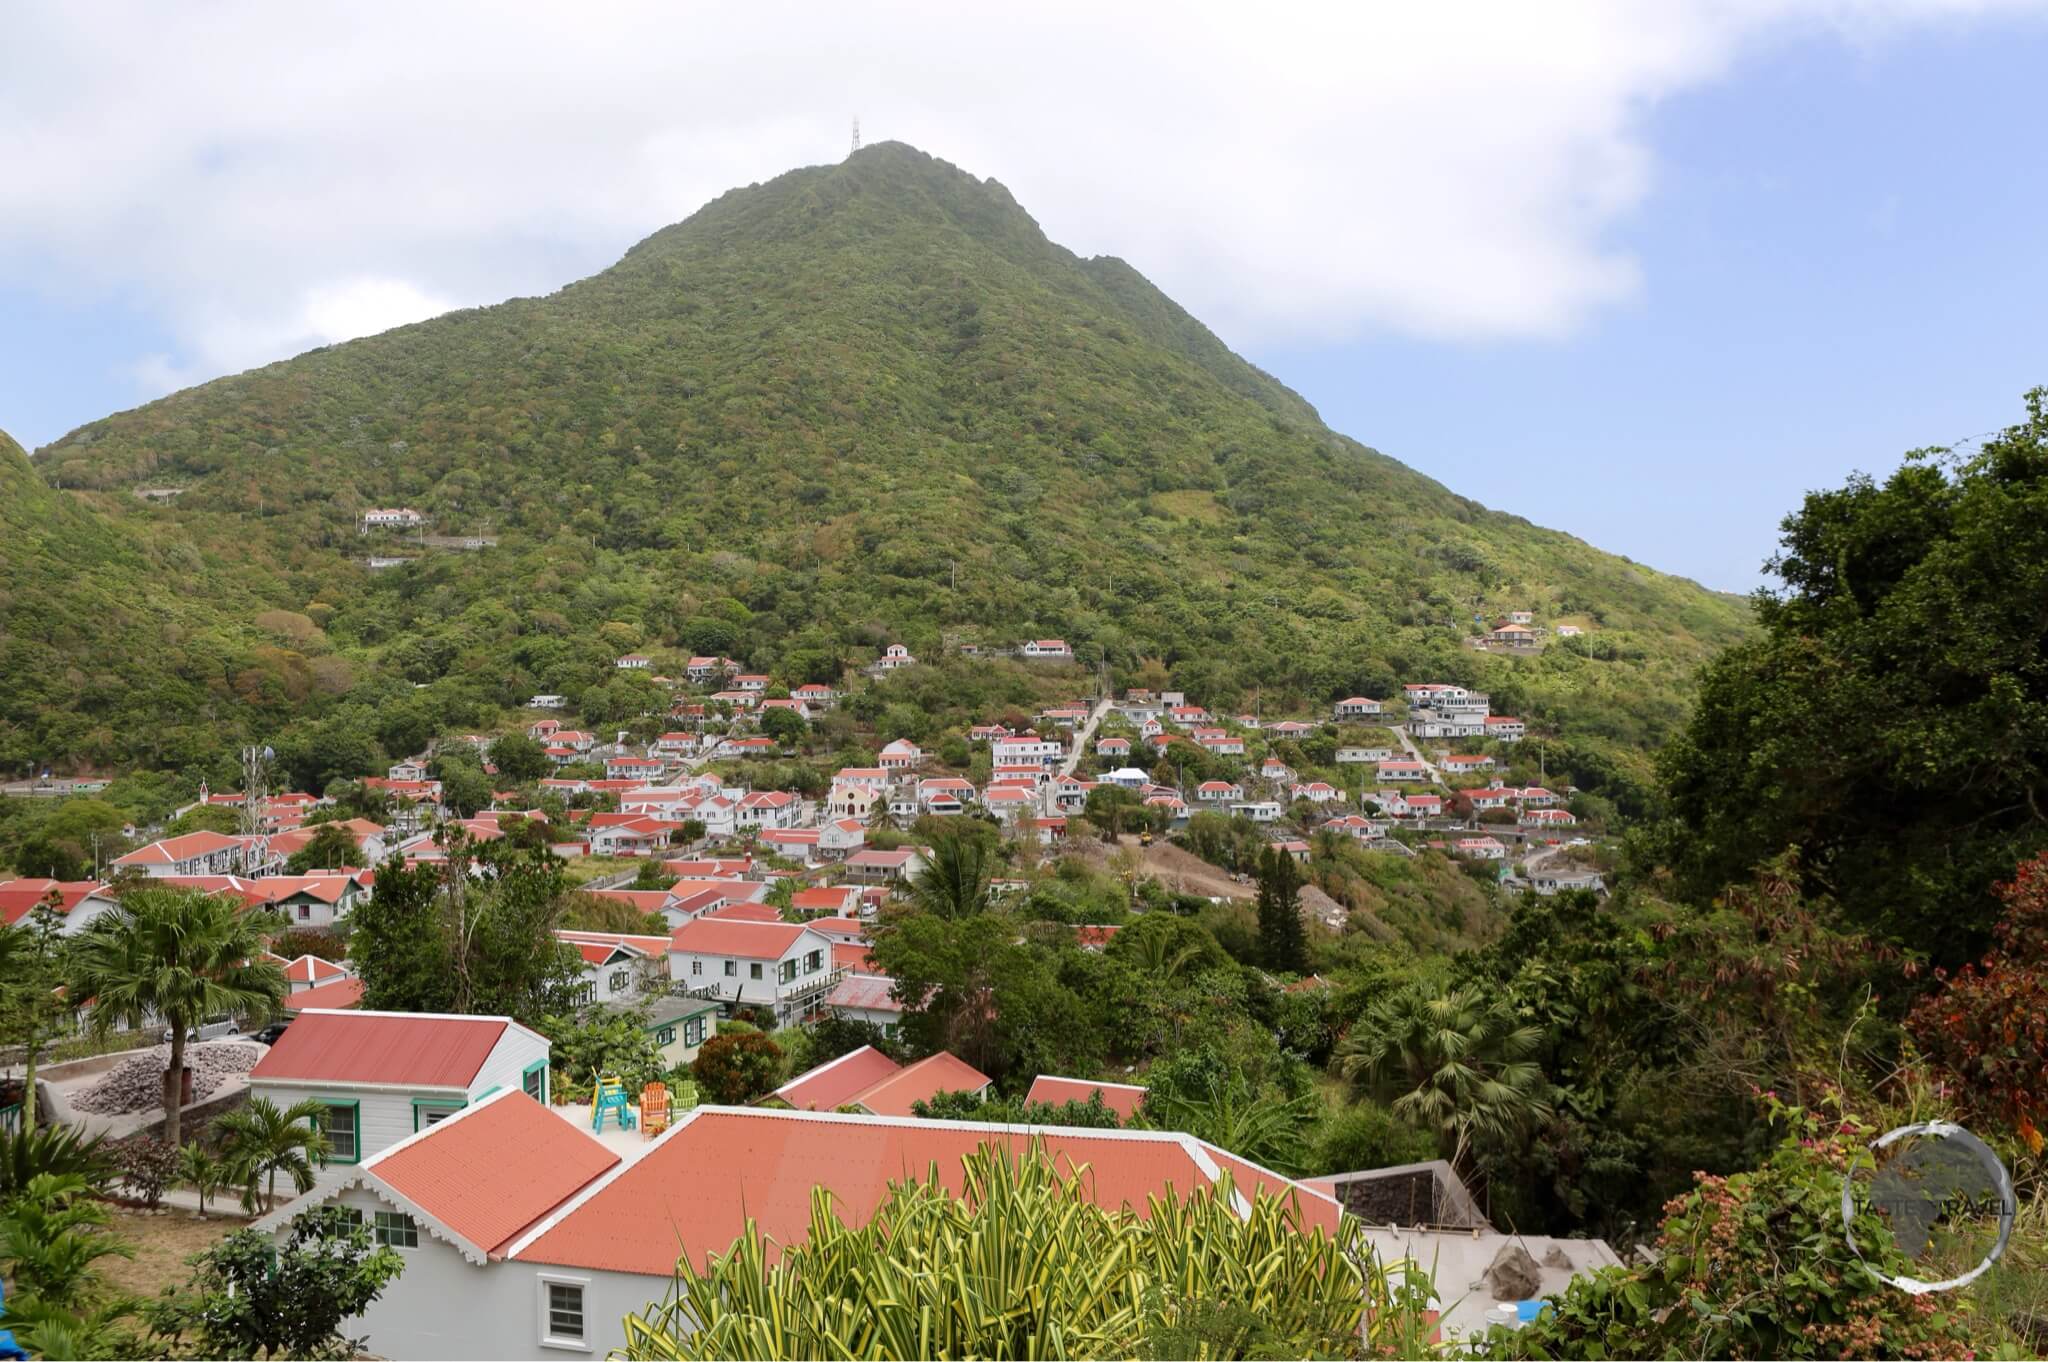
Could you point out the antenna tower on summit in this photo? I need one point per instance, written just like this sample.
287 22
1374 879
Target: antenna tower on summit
856 134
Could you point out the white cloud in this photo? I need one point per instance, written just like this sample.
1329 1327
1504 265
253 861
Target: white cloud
269 177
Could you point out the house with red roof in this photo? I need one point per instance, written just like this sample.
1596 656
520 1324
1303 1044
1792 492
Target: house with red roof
784 967
525 1240
77 902
869 998
310 971
901 755
1358 707
869 866
195 853
838 903
619 967
1113 747
1403 770
867 1080
1121 1098
381 1076
1054 648
339 996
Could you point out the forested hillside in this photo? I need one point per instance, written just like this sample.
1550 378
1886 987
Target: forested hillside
861 403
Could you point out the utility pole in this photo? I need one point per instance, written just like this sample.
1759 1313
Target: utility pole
856 134
255 802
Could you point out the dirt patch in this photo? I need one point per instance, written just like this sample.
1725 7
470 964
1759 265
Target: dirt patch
1181 871
163 1241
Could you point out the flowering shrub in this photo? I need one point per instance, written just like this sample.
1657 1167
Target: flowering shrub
1755 1265
1987 1029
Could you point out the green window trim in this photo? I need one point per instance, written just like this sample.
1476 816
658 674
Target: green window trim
447 1106
355 1122
539 1066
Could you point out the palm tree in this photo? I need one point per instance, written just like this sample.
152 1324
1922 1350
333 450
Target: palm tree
204 1173
52 1238
180 956
1157 954
1448 1060
954 883
260 1141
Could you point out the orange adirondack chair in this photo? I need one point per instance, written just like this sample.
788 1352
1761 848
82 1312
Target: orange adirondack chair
653 1109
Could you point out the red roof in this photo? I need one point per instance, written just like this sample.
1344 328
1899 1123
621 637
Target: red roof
19 897
829 1086
858 958
1121 1098
767 1162
403 1049
919 1082
746 912
536 1161
341 995
311 969
745 940
866 993
173 849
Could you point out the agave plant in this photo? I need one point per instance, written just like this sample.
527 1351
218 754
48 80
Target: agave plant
1024 1263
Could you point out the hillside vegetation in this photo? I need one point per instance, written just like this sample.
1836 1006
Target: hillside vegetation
861 403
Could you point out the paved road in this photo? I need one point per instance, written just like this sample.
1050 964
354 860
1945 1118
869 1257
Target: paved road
1400 731
1082 735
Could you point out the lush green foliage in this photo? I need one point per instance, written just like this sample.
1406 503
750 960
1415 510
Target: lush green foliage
600 1043
859 403
181 955
259 1140
965 1106
1755 1265
1023 1263
252 1295
1283 940
1892 720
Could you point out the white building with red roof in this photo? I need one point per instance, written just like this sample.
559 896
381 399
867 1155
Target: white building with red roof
194 853
77 902
1359 707
781 966
1055 648
529 1239
384 1075
619 967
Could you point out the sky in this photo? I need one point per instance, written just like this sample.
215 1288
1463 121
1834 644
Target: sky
1642 272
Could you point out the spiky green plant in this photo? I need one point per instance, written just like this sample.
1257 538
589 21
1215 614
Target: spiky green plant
1024 1264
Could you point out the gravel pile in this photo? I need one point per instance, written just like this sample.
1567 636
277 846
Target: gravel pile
137 1083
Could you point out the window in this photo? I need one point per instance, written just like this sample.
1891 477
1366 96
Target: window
427 1113
693 1031
754 970
393 1230
620 980
305 912
561 1313
814 962
534 1081
696 966
732 968
664 1035
341 1122
786 971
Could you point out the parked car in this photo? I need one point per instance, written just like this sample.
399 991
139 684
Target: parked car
212 1029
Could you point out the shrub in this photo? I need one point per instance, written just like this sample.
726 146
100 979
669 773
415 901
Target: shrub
1368 1135
149 1164
734 1069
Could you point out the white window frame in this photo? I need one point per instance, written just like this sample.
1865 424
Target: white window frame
548 1339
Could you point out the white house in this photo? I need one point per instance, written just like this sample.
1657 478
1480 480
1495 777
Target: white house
1363 756
526 1237
1259 811
77 902
1047 647
618 967
893 657
384 1075
1481 849
195 853
1028 749
1358 707
403 517
634 662
1504 728
901 755
1403 770
781 966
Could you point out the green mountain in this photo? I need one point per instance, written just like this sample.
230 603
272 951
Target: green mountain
861 403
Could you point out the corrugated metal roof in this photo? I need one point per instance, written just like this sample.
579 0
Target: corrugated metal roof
695 1189
745 940
919 1082
535 1162
829 1086
398 1048
1121 1098
341 995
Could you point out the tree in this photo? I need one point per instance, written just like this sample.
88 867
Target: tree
1449 1060
600 1044
734 1069
1034 1268
397 941
520 759
53 1234
259 1141
200 1170
464 787
1203 1094
1891 719
786 726
32 1006
182 956
1283 939
254 1296
332 846
955 880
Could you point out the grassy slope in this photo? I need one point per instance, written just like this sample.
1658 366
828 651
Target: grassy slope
810 406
